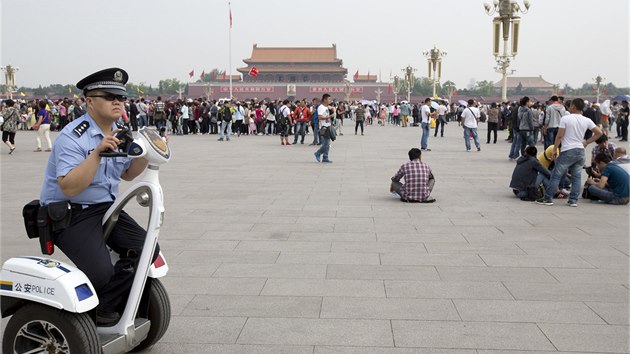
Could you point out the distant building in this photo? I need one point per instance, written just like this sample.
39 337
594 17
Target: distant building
293 72
226 78
294 65
365 78
526 85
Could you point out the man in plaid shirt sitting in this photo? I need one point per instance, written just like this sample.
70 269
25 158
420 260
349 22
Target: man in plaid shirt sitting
419 180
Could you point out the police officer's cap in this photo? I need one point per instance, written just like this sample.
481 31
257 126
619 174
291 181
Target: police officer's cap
110 80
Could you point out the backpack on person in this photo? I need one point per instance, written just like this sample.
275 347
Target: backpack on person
280 118
226 114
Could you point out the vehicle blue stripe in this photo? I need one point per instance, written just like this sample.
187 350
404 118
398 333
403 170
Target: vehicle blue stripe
63 268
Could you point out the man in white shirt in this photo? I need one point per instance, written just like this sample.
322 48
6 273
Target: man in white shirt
571 134
142 113
441 119
470 116
426 124
239 115
324 117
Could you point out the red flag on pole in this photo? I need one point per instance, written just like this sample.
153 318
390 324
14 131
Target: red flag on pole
356 75
230 6
203 73
593 87
224 75
192 73
253 72
605 91
213 74
390 90
455 93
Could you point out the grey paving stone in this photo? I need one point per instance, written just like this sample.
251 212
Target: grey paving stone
378 247
526 311
179 303
203 330
308 271
494 274
176 348
253 306
192 269
210 245
556 248
366 350
568 292
592 276
321 287
337 236
507 248
431 259
241 236
293 227
317 332
535 261
527 352
418 237
469 335
386 309
342 271
446 290
596 338
211 257
328 258
294 246
213 286
612 313
608 262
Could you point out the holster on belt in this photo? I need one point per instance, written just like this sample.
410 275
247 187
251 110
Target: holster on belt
52 218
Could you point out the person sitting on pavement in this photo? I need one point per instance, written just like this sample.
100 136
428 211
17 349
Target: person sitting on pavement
620 157
528 175
614 185
603 146
419 180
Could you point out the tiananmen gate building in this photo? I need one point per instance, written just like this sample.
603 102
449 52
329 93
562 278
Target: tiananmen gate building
295 73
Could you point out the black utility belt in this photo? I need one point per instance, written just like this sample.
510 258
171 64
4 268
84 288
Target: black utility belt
43 221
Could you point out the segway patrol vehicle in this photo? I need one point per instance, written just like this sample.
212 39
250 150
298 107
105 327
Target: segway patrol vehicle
53 304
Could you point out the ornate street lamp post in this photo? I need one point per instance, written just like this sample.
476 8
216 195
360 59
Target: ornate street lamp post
397 86
450 89
507 19
409 80
347 90
9 79
434 57
598 81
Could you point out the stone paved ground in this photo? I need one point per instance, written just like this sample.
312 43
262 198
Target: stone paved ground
271 252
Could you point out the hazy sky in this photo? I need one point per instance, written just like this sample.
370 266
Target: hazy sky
60 41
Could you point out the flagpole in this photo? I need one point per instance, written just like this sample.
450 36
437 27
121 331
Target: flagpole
230 49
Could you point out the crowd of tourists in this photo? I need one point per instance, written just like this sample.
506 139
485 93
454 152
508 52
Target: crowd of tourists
537 176
566 129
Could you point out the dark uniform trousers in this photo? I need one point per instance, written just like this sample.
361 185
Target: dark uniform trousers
83 243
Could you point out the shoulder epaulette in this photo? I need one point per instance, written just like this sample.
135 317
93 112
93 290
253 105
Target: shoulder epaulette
81 128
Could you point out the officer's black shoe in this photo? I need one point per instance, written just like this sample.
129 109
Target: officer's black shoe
106 319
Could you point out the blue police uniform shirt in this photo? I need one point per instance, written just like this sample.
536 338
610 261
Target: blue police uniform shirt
72 148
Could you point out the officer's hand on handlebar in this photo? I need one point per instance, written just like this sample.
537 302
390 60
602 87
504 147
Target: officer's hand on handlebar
109 143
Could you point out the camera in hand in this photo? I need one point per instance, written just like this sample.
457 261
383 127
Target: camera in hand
126 137
589 171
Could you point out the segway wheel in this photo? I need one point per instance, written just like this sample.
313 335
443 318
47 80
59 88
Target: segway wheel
37 328
159 315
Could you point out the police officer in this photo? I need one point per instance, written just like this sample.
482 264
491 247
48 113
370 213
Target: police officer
77 174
